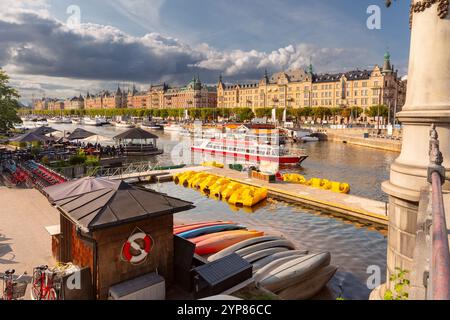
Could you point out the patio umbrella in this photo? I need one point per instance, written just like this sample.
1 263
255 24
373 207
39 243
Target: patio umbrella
97 139
80 134
31 137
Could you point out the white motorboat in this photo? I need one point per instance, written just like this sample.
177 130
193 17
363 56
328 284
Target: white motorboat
184 132
66 120
91 122
55 120
173 128
102 120
76 121
151 126
309 139
121 124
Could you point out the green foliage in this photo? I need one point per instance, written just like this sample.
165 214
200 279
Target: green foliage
79 158
35 150
92 161
263 112
243 114
8 104
374 111
400 286
18 144
45 160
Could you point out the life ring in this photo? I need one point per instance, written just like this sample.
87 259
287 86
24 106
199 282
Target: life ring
131 243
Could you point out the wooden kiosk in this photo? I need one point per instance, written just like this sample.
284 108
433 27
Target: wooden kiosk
119 231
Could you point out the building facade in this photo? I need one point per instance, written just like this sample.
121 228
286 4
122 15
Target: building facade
300 88
193 95
75 103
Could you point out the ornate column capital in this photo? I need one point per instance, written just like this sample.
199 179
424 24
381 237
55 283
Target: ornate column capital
418 6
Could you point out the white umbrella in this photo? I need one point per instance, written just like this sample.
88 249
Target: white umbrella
97 139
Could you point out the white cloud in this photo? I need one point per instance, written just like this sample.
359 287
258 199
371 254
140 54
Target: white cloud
44 54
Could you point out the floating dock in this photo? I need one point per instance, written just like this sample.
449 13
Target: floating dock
346 205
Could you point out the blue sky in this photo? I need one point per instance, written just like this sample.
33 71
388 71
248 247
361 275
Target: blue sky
152 41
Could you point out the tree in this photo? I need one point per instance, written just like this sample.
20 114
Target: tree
8 104
375 111
263 112
243 114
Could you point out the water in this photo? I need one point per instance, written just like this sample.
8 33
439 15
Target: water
353 247
363 168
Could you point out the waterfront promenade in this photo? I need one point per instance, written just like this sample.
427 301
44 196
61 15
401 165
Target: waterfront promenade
24 241
355 137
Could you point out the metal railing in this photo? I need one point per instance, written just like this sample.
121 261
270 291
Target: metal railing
122 172
439 276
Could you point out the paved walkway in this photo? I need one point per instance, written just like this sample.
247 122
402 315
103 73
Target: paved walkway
24 241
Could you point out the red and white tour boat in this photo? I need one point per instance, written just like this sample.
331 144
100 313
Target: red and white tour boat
248 150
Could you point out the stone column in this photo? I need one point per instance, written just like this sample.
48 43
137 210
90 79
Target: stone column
427 102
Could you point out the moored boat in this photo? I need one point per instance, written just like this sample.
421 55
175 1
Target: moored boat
151 126
173 128
54 120
91 122
127 125
248 150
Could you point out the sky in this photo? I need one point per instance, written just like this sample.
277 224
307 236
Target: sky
61 48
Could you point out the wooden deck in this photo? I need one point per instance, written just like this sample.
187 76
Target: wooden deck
347 205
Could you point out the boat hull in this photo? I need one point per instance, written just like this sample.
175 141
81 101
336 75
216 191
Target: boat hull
250 157
218 243
193 226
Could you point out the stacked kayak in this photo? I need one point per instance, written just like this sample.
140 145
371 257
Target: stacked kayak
235 193
278 267
213 236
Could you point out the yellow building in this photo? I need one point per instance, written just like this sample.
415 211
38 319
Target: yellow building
75 103
300 88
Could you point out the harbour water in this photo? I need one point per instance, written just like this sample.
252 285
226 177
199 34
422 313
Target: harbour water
354 248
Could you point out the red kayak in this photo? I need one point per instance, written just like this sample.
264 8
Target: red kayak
181 229
219 242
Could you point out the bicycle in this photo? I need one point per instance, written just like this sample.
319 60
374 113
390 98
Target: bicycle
45 284
12 288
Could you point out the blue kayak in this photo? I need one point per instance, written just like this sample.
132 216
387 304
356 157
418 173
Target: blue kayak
209 229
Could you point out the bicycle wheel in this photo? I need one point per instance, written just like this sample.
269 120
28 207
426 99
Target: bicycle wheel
51 295
36 289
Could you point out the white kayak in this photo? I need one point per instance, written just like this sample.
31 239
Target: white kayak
265 245
263 253
265 261
309 287
294 271
265 271
240 245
